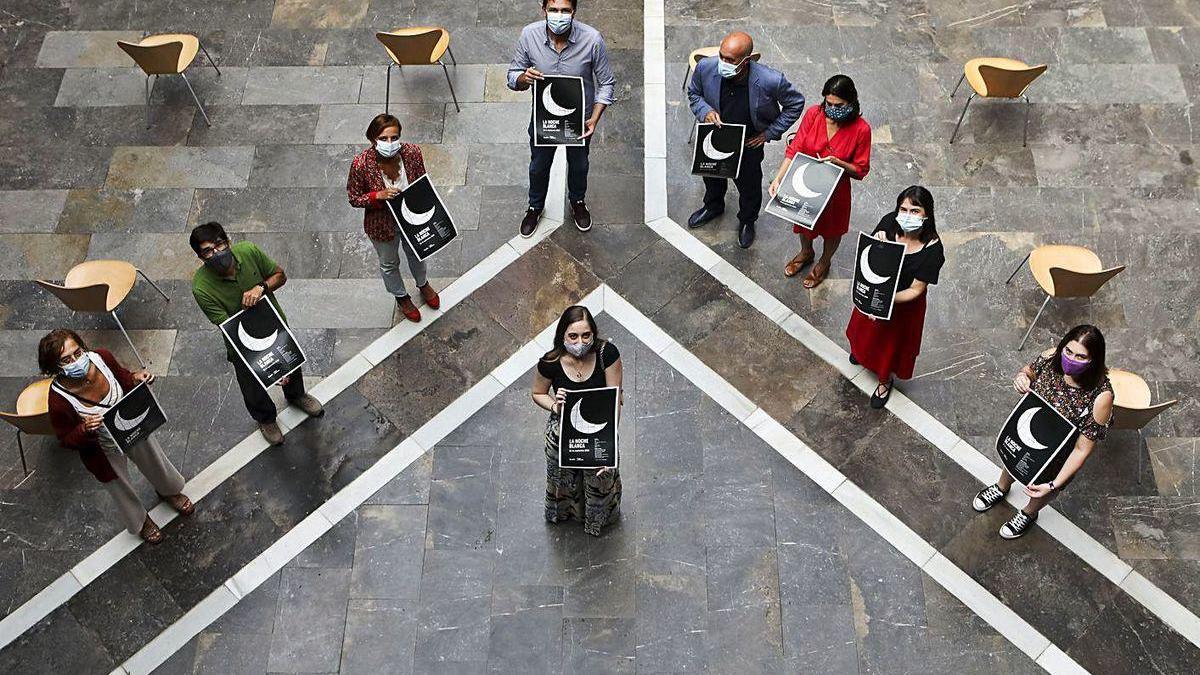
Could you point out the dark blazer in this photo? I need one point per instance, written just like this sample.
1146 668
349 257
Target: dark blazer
365 180
775 104
68 425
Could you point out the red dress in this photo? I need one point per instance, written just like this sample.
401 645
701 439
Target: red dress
851 143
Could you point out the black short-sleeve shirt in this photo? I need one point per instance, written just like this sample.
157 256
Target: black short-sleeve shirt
553 370
924 264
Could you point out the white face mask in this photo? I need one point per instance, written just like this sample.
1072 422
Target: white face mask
910 222
559 22
388 148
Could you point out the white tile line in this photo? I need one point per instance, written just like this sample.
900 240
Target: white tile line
1086 547
108 554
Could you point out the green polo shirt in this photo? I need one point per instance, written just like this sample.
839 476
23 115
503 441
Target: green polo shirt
220 297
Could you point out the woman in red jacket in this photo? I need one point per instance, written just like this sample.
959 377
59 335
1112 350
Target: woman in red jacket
85 385
377 174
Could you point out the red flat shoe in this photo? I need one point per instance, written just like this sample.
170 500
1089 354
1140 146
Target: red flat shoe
430 296
408 309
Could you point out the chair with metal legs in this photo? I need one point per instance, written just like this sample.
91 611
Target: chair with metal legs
1131 406
997 78
1064 272
101 286
32 415
168 54
417 46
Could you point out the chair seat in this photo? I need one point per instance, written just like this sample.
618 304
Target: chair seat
119 275
1073 258
1129 389
975 79
34 399
439 49
191 46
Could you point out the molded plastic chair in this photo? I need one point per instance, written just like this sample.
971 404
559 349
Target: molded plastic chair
1131 405
1064 272
167 54
417 46
32 415
997 78
100 286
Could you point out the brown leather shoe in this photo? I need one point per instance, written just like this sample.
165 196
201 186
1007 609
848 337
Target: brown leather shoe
530 222
271 432
430 296
798 263
408 309
583 217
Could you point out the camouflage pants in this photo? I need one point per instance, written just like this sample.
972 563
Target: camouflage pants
579 493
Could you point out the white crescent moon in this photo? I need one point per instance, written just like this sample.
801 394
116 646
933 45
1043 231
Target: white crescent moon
712 152
801 188
551 106
865 267
124 424
1025 433
256 344
414 218
581 424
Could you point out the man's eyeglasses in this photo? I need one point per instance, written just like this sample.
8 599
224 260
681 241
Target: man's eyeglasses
210 251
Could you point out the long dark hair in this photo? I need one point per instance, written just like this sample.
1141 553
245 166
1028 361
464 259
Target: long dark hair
569 316
1093 340
842 87
921 197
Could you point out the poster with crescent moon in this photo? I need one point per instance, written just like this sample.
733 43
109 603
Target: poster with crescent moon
717 151
422 218
134 417
587 431
264 343
804 191
558 112
876 275
1035 441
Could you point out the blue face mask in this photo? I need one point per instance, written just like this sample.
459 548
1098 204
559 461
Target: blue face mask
837 113
910 222
726 69
558 22
77 369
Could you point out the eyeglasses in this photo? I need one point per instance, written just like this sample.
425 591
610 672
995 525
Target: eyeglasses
220 246
72 357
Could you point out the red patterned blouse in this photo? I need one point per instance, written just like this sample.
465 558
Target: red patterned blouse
366 181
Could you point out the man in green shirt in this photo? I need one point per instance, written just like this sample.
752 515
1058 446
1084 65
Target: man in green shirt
235 277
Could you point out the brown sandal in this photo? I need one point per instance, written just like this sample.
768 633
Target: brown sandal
150 532
798 263
180 503
815 278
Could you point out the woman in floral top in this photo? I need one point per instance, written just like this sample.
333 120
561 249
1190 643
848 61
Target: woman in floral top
1073 379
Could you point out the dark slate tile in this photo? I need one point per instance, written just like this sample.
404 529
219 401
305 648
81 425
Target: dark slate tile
335 548
603 645
605 256
526 630
388 552
124 621
651 279
454 630
311 624
255 125
232 653
60 643
1127 637
669 628
380 637
958 639
253 614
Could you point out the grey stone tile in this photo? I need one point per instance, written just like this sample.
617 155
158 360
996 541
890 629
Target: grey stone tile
301 166
669 628
85 49
489 123
425 84
271 210
420 123
253 614
102 86
310 625
455 630
125 211
145 167
30 210
526 630
257 125
1109 83
335 548
231 653
42 256
388 552
293 85
24 168
337 303
605 645
161 256
211 89
304 14
380 637
29 86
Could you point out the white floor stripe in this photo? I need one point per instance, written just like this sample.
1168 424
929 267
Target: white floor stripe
62 589
1091 551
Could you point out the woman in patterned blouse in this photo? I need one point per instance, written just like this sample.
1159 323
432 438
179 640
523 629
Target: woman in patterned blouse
1073 379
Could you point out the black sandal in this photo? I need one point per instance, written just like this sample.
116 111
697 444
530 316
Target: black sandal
877 401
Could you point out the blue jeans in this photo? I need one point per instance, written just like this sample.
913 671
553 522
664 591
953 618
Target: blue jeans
540 159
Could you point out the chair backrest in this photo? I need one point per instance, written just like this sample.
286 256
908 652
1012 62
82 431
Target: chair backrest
92 298
33 411
1137 418
1006 83
412 46
1069 284
705 52
154 59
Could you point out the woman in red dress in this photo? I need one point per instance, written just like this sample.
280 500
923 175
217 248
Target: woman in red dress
890 347
835 132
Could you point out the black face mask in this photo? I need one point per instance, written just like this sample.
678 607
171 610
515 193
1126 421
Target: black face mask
221 261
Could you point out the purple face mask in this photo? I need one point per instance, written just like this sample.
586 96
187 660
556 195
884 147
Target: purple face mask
1073 367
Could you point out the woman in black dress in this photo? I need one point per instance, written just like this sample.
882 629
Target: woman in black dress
580 359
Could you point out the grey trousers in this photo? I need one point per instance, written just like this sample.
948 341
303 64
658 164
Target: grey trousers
154 465
389 265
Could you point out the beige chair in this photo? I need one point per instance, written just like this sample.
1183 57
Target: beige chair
1131 405
997 78
417 46
696 57
1064 272
167 54
100 286
32 415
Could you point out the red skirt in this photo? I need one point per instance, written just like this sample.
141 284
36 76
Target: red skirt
835 219
888 347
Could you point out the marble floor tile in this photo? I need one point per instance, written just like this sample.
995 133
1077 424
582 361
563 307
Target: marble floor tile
295 85
85 49
179 167
308 635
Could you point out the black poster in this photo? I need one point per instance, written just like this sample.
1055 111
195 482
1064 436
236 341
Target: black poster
876 275
804 191
558 112
422 218
134 417
587 432
264 343
1035 441
717 151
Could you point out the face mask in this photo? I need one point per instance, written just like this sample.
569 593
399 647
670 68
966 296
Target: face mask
1073 367
388 148
837 113
578 349
910 222
78 368
726 69
221 261
558 22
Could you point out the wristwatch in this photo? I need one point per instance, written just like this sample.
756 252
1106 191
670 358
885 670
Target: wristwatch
1052 487
263 285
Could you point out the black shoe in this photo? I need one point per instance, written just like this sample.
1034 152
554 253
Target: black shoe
745 234
703 215
530 222
583 217
987 498
1018 525
878 401
853 361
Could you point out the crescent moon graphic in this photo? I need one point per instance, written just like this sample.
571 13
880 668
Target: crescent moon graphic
551 106
256 344
1025 433
581 424
712 152
800 186
868 273
124 424
414 218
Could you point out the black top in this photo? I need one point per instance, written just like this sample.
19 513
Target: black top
735 102
924 263
553 370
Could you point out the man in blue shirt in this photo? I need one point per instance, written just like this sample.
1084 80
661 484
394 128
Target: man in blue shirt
562 45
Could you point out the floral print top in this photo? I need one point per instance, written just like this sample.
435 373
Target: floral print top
1075 404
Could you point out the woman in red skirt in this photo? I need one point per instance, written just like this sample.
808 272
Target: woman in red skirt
890 347
835 132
